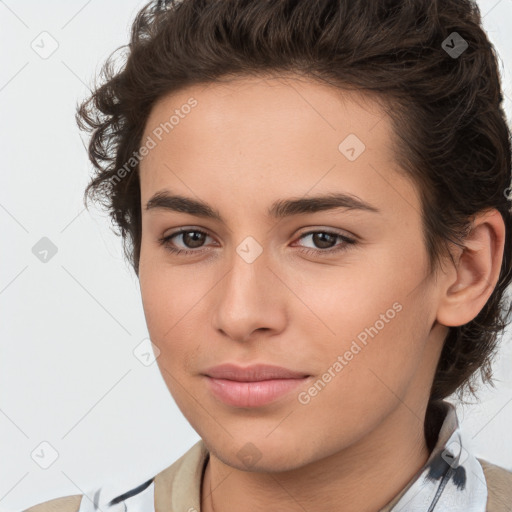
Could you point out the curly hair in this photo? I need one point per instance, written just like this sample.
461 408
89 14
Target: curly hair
450 132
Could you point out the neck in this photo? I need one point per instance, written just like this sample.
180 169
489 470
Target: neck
362 477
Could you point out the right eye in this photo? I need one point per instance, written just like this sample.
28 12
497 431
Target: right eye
197 237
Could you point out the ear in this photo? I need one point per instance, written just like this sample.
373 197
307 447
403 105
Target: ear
466 287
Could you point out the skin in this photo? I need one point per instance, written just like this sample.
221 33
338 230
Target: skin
248 143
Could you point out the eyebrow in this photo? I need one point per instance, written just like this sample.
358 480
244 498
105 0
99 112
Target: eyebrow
278 210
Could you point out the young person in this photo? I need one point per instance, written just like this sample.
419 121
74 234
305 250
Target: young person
314 195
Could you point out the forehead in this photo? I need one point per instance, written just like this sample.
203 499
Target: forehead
265 133
266 104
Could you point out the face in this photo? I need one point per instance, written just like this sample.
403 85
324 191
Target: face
334 290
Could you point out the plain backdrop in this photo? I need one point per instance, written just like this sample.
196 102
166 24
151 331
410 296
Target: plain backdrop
78 408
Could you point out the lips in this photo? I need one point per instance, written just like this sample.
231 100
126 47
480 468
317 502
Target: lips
253 386
254 373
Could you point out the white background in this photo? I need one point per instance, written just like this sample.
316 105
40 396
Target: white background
69 326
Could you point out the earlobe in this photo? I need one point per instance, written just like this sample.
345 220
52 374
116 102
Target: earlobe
476 273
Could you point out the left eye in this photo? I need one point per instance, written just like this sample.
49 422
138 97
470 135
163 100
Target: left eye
323 238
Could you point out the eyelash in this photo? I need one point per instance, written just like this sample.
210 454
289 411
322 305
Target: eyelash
165 241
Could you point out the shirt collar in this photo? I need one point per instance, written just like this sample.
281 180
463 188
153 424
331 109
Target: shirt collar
452 479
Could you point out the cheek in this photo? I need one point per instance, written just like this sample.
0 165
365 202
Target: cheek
377 325
172 300
163 300
366 370
167 309
165 290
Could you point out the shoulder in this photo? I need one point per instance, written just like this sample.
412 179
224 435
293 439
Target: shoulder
177 485
499 487
64 504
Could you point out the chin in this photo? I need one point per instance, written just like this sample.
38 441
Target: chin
263 454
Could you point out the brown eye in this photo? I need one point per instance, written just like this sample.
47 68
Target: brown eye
325 242
192 239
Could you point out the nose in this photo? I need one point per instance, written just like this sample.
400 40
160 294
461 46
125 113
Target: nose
250 299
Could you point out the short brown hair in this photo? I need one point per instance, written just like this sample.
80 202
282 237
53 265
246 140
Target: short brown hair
451 134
